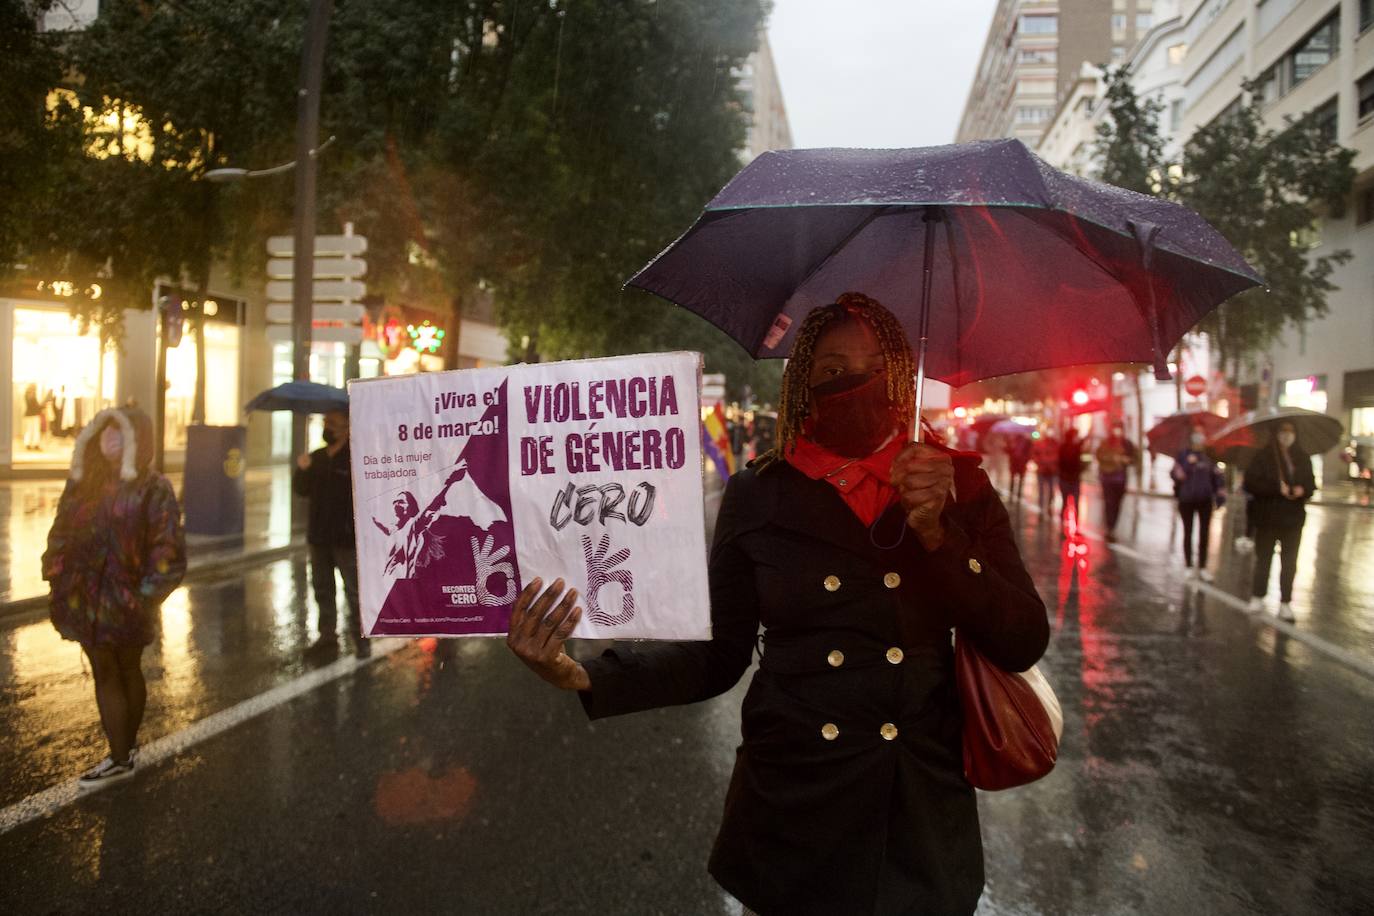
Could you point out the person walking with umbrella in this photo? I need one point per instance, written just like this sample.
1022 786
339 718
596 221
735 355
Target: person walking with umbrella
324 478
858 551
1281 481
1198 486
1018 456
115 552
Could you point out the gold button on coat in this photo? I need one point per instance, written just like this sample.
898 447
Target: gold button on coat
895 656
889 731
831 583
835 658
892 580
829 732
974 565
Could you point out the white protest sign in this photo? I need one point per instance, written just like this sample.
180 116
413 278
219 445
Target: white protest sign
466 484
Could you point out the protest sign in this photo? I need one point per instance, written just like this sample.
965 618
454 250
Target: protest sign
466 484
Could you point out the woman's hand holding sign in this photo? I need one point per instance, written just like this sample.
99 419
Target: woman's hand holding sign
537 634
923 476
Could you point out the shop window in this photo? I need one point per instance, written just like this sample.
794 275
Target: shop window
61 380
222 341
1364 91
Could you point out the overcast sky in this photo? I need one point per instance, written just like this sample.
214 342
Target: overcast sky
878 73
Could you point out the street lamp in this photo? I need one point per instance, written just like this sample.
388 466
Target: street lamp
226 175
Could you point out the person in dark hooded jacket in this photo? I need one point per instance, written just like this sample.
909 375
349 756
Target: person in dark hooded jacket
115 552
1198 487
1280 482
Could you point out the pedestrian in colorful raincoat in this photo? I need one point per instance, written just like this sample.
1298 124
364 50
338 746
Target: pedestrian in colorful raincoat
115 552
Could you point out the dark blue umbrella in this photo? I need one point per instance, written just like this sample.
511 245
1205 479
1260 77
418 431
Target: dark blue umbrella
300 397
994 262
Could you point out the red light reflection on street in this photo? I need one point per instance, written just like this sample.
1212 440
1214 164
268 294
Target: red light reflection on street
413 796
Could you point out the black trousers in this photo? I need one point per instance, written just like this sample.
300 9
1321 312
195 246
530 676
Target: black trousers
1113 492
324 559
1203 513
1287 538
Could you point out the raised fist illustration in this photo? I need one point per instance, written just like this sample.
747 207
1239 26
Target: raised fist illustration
601 572
489 562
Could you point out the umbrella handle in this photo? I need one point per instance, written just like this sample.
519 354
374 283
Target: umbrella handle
932 215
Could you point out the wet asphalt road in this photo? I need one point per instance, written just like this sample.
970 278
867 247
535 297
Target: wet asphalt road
1211 763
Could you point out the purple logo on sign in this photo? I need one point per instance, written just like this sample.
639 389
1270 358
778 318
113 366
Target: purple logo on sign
450 560
601 572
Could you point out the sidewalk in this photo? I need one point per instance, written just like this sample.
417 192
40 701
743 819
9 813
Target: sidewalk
27 508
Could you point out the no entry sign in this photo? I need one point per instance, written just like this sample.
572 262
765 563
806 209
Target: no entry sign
1195 385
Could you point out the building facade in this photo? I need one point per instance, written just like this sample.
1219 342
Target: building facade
768 127
1304 55
1032 60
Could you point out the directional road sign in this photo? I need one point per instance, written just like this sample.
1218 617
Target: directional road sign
325 268
284 246
349 334
322 290
348 312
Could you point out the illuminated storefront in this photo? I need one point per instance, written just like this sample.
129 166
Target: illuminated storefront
58 381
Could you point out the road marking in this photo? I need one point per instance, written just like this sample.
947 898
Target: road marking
1331 650
53 799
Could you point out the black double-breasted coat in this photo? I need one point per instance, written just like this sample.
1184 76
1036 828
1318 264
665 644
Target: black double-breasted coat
848 793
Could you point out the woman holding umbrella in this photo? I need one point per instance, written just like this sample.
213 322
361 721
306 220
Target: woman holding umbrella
1281 481
857 551
1199 485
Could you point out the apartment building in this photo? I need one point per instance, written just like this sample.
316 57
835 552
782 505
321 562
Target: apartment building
1032 59
758 82
1304 55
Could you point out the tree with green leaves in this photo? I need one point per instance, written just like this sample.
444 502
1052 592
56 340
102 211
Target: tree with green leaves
1263 188
541 148
1129 149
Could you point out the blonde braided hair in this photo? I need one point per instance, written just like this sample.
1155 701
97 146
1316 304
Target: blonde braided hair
795 397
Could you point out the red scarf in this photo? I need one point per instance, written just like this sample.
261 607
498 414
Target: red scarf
863 483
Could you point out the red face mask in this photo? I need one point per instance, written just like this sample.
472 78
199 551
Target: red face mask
851 415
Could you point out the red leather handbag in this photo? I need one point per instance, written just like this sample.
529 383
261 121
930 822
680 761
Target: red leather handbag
1012 722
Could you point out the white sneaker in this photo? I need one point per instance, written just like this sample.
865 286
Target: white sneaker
1286 612
105 771
1206 576
1190 574
1256 606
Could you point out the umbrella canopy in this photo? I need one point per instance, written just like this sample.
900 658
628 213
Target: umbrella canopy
1023 267
1170 435
1237 440
1010 428
300 397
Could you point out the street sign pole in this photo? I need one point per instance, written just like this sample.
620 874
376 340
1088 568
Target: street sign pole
307 138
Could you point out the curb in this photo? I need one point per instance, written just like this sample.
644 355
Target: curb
35 605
